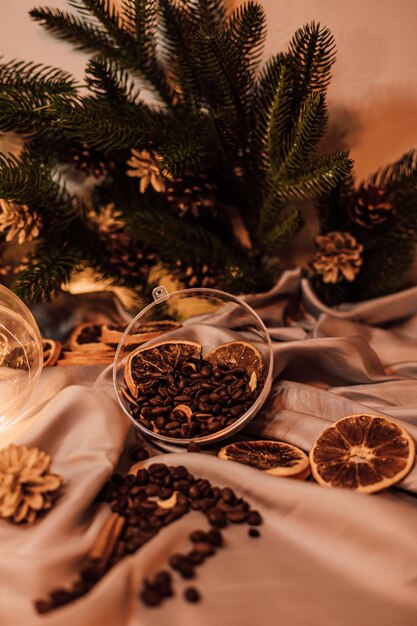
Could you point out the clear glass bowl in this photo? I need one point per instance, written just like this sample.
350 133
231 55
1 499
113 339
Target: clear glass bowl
21 356
210 318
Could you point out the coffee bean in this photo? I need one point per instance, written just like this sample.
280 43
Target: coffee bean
254 532
191 594
227 494
217 518
182 399
236 516
175 561
43 606
186 570
59 597
196 558
165 493
172 425
215 538
197 536
160 410
204 548
160 422
152 490
139 454
150 597
253 518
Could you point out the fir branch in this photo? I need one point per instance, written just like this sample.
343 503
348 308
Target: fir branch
176 239
109 82
396 172
311 53
36 79
75 30
299 144
103 126
46 272
136 46
284 228
179 27
246 33
29 180
326 172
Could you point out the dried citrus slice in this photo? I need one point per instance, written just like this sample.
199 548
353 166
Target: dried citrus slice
272 457
87 338
147 365
362 452
51 351
239 354
143 332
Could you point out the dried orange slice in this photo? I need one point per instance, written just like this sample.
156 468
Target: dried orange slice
362 452
87 338
272 457
239 354
143 332
51 351
147 365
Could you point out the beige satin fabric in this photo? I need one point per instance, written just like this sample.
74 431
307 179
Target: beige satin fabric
327 557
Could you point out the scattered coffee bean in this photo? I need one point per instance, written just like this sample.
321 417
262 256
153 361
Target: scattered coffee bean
133 498
150 597
198 536
253 518
215 538
139 453
191 594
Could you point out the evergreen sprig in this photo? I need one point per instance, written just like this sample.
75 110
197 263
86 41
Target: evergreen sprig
238 140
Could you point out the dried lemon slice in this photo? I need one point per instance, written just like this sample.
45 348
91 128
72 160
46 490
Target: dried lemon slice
272 457
366 453
147 365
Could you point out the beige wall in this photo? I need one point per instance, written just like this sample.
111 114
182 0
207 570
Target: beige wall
373 96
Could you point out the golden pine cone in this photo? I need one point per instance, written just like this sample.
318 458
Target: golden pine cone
26 486
338 257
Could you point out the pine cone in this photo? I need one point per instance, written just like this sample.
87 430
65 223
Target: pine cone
338 257
89 161
131 258
195 274
144 165
19 222
26 486
370 207
191 194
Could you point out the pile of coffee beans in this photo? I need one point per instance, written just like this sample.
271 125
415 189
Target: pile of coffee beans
148 501
195 399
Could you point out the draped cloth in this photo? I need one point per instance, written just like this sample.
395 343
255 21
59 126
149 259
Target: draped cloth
326 557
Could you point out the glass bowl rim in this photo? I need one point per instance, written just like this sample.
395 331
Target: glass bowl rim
239 423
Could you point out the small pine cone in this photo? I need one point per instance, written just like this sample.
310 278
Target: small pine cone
191 194
131 258
195 274
338 257
370 207
26 486
18 222
89 161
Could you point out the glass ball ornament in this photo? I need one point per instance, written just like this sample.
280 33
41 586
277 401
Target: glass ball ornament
21 356
211 318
